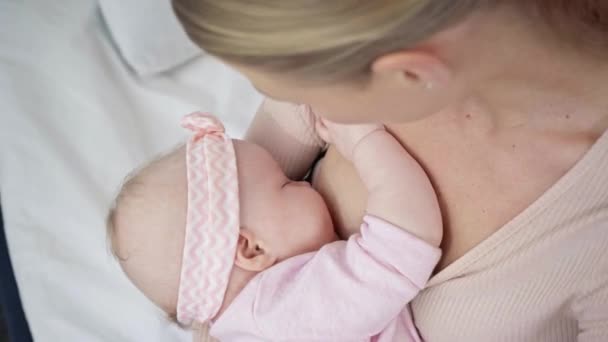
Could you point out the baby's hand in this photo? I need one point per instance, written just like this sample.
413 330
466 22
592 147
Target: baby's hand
345 138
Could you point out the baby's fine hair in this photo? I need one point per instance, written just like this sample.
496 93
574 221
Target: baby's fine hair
142 184
127 189
134 186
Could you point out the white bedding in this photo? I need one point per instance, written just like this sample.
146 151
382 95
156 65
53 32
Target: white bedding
75 119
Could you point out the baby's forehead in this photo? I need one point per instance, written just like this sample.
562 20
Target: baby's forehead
153 194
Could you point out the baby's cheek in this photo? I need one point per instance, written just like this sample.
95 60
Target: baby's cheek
320 224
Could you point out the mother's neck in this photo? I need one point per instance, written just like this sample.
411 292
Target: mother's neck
522 76
566 97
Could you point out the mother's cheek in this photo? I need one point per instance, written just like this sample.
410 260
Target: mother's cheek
339 184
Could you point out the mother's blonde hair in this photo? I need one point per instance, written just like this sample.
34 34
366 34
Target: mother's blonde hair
335 39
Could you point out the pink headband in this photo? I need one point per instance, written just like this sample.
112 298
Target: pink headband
212 224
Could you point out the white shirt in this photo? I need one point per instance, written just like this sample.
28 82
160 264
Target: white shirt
86 98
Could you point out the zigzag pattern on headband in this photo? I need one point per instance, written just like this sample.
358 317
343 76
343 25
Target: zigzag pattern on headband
212 223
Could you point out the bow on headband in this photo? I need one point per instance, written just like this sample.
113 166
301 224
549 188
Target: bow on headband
202 124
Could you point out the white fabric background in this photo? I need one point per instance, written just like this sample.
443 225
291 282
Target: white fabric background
75 119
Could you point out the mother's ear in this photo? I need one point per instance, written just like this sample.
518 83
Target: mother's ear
415 67
251 254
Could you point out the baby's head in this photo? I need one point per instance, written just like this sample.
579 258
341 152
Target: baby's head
226 202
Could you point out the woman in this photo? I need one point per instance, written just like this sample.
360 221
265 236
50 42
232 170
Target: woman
503 103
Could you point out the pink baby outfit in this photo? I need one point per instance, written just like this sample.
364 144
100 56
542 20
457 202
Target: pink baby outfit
355 290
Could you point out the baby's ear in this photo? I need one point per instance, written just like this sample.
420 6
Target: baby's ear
251 255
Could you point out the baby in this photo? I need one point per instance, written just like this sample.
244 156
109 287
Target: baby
216 233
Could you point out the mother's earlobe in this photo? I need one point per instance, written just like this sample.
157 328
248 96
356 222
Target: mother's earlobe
419 68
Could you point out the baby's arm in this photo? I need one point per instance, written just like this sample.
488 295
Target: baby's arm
354 289
346 291
287 131
399 190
